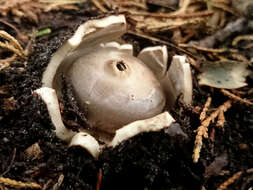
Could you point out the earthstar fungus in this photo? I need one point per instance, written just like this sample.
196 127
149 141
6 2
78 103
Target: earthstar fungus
124 95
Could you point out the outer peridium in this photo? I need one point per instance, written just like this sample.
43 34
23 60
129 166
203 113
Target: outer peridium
100 32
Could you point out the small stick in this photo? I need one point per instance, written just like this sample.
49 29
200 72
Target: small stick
194 64
18 184
162 42
231 180
211 50
11 163
59 182
99 179
239 38
99 6
20 35
236 98
169 15
224 8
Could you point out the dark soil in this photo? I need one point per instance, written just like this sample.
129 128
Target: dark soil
160 160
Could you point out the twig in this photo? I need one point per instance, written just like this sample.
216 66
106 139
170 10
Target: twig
203 129
99 6
227 2
195 64
206 106
211 50
18 184
239 38
224 8
132 4
183 6
11 44
57 3
236 98
161 41
20 35
59 182
99 179
11 162
231 180
45 186
249 170
170 15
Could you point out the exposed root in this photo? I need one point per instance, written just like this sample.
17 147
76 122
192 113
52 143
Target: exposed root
236 98
202 130
18 184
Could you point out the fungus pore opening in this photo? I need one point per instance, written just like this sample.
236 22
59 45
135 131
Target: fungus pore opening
121 66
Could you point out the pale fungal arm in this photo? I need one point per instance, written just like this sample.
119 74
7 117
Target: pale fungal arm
179 80
156 59
87 142
49 96
82 139
156 123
